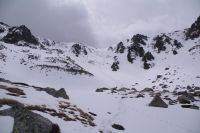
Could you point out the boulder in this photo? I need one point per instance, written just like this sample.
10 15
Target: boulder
139 95
183 99
197 93
101 89
56 93
118 127
123 89
190 106
186 95
158 102
26 121
147 90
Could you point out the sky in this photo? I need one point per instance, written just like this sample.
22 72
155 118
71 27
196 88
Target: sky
99 23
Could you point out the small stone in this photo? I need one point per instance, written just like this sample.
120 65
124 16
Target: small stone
139 95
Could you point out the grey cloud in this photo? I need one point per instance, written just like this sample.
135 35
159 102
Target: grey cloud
121 19
52 19
99 22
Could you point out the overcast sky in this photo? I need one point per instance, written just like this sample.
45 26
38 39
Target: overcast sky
99 23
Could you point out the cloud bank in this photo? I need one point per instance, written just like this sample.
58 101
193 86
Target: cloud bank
99 22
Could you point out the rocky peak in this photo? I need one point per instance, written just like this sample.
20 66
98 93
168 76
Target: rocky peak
161 41
194 31
77 49
21 33
139 39
120 48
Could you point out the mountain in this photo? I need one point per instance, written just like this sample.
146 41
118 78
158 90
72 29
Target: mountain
129 74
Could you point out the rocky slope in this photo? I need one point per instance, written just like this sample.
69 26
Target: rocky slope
158 71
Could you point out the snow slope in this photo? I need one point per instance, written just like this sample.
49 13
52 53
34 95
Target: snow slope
81 69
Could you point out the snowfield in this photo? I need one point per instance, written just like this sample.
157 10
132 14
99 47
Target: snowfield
80 72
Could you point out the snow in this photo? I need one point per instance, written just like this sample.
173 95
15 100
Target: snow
6 124
133 113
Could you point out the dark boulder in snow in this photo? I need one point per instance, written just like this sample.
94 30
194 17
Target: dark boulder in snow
158 102
57 93
21 33
175 52
26 121
147 90
139 95
118 127
190 106
120 48
186 95
101 89
186 98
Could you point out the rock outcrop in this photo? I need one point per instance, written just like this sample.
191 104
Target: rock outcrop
21 33
26 121
194 31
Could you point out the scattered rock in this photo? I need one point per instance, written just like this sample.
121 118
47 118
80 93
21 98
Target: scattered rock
26 121
118 127
92 113
172 102
175 52
197 93
159 76
183 99
101 89
139 95
190 106
188 95
158 102
167 68
55 93
123 89
59 93
196 88
147 90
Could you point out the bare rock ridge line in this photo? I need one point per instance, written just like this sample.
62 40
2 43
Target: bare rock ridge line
51 91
